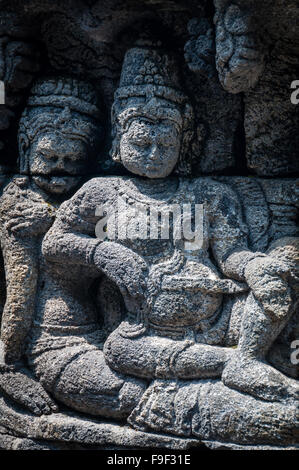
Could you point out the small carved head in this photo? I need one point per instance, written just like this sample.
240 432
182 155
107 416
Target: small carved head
151 119
59 132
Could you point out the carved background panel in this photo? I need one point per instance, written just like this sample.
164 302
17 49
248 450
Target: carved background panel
143 107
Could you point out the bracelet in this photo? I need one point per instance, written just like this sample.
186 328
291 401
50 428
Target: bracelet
5 368
239 260
251 258
91 251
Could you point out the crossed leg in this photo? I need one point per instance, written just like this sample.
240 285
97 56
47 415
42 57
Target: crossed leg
84 382
248 371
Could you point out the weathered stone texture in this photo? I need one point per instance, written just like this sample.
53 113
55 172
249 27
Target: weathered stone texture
148 225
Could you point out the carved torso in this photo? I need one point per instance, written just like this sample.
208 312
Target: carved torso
184 287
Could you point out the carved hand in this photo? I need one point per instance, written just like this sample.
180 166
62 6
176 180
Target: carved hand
200 49
18 66
123 266
26 391
268 279
29 218
21 63
239 50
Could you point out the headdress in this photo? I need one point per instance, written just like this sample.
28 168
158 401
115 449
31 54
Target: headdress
65 92
65 105
150 87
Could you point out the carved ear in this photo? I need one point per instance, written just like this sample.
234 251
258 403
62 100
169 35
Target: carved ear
115 151
183 167
116 133
24 145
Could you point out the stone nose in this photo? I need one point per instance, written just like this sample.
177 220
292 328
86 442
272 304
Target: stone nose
60 162
155 153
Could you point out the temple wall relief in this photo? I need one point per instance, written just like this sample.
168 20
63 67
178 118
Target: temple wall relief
148 225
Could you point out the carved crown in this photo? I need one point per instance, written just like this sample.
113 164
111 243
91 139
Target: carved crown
147 73
65 92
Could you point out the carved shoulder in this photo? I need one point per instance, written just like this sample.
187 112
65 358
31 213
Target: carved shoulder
79 212
13 191
218 196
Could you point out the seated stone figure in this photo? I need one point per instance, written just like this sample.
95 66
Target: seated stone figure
58 135
175 293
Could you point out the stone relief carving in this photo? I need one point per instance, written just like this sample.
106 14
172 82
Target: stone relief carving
18 65
147 340
58 130
216 143
239 48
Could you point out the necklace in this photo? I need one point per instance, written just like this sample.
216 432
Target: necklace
142 194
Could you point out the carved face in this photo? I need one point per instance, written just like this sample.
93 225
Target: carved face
150 148
57 160
57 154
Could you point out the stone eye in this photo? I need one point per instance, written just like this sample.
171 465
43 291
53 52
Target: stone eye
49 156
70 158
167 142
142 143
